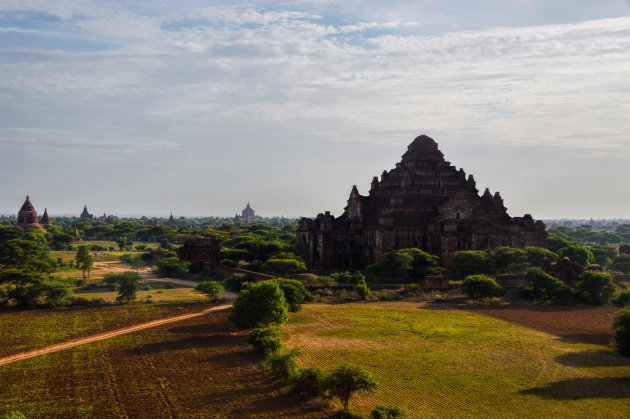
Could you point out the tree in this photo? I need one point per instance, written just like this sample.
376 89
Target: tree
507 259
25 286
386 412
58 293
127 286
577 253
307 383
482 286
213 289
295 293
621 263
283 267
347 379
471 262
422 263
263 304
172 267
17 252
595 287
621 332
265 340
536 256
84 260
544 286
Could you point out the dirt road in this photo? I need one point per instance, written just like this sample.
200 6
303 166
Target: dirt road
113 333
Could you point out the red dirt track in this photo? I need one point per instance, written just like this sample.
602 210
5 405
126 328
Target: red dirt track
588 324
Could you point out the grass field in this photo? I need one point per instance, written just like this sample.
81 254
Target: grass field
31 329
197 368
436 361
159 291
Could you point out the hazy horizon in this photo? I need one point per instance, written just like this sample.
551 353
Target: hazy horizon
144 108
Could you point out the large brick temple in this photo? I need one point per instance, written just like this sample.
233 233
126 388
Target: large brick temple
424 202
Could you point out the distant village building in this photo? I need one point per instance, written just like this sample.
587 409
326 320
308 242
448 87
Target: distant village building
45 221
247 215
171 221
85 215
27 216
424 202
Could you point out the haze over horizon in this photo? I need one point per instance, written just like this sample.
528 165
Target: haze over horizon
146 107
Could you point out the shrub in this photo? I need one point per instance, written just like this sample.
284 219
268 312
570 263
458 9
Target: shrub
295 293
58 293
213 289
235 282
127 286
621 263
471 262
386 412
265 340
307 383
171 266
544 286
482 286
622 298
507 259
621 332
536 256
262 304
282 364
595 287
362 289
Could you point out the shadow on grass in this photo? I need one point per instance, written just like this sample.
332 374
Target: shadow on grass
584 388
603 339
585 359
208 341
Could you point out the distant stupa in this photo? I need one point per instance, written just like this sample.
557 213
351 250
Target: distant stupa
45 219
171 221
27 217
85 214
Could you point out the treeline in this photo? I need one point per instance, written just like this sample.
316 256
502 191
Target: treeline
587 235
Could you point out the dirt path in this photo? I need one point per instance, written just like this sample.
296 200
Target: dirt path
82 341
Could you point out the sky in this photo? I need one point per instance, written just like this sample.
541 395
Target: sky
197 107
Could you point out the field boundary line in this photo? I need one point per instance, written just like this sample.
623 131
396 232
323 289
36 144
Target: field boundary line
106 335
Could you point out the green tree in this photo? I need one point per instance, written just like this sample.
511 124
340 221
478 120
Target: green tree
595 287
482 286
603 254
213 289
172 267
386 412
295 293
507 259
283 267
543 286
265 340
18 252
307 383
347 379
577 253
127 286
471 262
536 256
84 260
263 304
24 286
621 263
58 293
621 332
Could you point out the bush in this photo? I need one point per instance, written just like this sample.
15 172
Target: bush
265 340
621 332
213 289
295 293
362 289
544 286
283 266
482 286
536 256
171 266
471 262
127 286
58 293
235 282
386 412
282 364
621 263
263 304
507 259
307 383
595 287
622 298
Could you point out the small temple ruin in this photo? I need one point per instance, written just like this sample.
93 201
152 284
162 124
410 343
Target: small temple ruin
45 221
27 216
248 214
424 202
85 215
171 221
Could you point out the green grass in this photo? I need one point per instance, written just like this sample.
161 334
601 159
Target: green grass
444 362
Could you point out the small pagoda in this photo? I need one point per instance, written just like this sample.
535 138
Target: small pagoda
85 215
45 221
27 217
171 221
